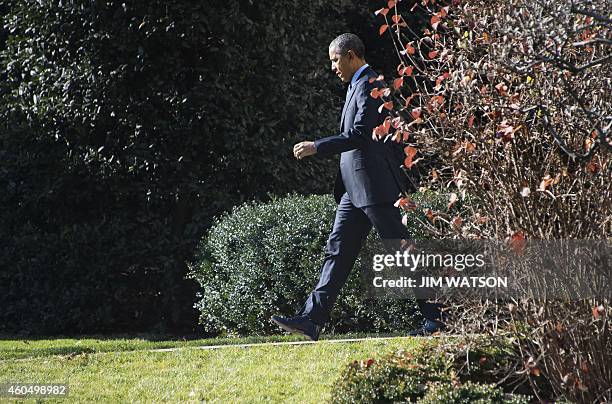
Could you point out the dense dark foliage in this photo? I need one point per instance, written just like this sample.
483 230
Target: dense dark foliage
126 126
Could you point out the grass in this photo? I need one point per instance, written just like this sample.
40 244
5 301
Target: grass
11 348
124 369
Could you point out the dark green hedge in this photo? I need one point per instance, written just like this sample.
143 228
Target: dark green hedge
264 259
125 126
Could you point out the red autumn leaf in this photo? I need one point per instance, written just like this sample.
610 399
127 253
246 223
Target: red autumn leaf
382 11
457 221
410 153
408 71
444 11
406 204
432 54
416 113
397 136
434 174
457 148
382 29
592 166
505 131
409 100
518 242
501 88
381 130
375 93
596 312
396 122
408 163
369 362
435 20
387 125
378 132
471 121
398 83
411 50
546 182
436 100
429 214
396 18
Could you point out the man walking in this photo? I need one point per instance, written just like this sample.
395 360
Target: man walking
367 186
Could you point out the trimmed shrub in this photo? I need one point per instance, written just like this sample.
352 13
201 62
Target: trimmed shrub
469 392
264 259
431 372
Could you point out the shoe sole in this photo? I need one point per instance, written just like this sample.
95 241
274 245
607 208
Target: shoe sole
292 330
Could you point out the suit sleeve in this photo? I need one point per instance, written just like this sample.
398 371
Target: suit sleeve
360 132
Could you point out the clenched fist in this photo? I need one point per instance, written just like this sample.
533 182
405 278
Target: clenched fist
304 149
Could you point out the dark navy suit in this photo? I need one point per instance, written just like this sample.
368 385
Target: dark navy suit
368 184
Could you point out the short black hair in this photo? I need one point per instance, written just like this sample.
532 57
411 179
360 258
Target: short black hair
345 42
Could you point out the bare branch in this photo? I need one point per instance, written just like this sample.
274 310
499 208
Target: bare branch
592 14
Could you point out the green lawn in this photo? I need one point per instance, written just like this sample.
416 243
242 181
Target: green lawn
112 370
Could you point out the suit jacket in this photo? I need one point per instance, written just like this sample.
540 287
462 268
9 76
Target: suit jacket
369 172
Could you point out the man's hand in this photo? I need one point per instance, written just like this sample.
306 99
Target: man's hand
304 149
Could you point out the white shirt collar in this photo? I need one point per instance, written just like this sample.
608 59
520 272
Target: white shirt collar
358 72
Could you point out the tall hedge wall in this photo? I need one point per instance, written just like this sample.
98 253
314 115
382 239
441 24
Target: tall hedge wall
126 125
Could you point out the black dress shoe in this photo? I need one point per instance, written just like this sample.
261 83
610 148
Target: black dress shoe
299 325
429 327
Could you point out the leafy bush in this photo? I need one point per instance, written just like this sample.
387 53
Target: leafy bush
264 259
468 393
523 126
434 371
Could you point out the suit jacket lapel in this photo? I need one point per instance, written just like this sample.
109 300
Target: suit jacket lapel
348 100
363 74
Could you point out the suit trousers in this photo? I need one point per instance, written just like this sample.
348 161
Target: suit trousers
351 227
